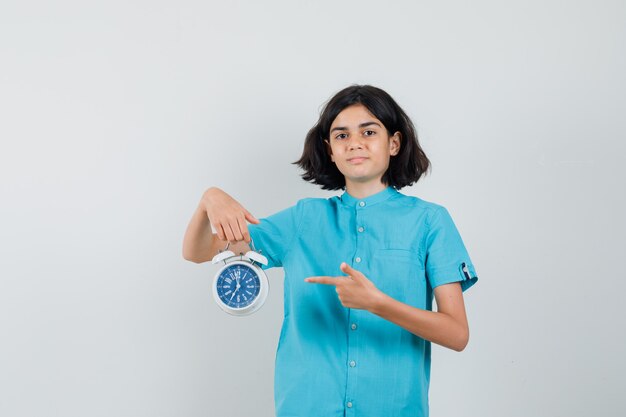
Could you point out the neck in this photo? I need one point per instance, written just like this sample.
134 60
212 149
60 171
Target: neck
363 190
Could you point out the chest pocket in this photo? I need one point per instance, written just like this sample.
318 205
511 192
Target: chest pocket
400 274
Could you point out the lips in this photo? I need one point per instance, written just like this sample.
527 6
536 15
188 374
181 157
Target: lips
357 159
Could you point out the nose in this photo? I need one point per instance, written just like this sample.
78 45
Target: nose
355 142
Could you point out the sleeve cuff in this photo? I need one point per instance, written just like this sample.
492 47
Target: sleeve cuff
464 273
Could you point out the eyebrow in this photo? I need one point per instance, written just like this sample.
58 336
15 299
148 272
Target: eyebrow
361 125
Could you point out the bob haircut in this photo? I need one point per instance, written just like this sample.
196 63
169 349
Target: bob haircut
405 168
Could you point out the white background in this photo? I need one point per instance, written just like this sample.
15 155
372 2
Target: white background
115 116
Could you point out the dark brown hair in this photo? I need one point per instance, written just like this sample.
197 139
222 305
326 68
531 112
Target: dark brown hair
405 168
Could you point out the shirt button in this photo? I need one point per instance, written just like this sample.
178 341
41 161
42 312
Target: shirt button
349 404
352 364
362 204
353 327
358 260
361 229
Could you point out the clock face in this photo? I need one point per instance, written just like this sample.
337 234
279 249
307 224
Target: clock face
238 286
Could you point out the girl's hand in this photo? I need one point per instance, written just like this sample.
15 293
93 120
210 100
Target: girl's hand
227 216
354 291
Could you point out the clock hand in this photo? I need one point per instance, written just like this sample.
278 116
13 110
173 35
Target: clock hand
238 285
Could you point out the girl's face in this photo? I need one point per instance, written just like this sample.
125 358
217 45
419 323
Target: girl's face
359 145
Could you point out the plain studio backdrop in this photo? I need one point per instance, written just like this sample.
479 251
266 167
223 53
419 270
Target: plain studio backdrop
116 116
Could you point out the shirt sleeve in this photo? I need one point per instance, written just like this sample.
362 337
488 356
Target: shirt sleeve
273 236
446 258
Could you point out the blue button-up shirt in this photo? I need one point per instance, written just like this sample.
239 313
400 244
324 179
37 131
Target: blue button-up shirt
335 361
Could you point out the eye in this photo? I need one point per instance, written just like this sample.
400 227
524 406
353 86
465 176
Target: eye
341 136
369 132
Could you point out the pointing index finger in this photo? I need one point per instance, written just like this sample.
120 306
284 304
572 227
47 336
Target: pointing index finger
322 280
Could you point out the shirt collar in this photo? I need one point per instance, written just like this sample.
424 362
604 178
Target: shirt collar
370 200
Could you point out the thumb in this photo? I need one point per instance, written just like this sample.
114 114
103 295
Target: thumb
251 218
356 275
348 269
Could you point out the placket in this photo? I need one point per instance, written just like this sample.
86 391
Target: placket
353 331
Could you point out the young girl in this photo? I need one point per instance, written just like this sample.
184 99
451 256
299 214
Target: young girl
361 268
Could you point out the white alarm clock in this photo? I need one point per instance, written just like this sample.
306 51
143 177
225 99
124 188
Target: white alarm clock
240 286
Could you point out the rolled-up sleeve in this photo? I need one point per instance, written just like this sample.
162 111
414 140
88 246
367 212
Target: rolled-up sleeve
447 259
273 236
